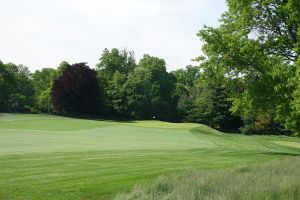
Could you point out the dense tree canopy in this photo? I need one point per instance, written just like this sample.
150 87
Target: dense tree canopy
255 48
140 91
150 90
76 91
113 70
42 82
16 89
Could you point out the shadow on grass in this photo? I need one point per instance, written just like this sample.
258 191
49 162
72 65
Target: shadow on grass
112 118
280 153
99 118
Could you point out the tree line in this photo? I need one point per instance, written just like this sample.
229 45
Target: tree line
248 78
118 87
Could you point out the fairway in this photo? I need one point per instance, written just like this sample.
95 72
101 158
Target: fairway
52 157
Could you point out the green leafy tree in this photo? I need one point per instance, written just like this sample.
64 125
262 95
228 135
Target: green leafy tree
293 120
139 94
42 82
185 90
61 68
6 87
113 70
162 87
16 89
255 47
150 89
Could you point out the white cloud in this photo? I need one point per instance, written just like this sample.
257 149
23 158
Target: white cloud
44 33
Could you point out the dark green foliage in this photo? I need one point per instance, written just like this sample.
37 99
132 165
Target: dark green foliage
185 90
6 86
203 100
113 70
16 89
152 84
211 106
139 94
76 91
140 91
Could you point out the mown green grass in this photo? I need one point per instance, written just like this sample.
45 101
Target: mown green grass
51 157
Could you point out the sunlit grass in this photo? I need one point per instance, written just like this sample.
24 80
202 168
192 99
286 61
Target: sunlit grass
288 144
51 157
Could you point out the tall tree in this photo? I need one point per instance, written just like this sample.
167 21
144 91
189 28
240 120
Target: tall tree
152 84
139 94
255 47
6 87
16 89
42 82
293 121
185 90
113 70
76 91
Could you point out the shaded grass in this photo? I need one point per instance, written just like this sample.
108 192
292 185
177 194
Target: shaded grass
274 180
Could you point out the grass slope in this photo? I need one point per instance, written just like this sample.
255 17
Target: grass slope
50 157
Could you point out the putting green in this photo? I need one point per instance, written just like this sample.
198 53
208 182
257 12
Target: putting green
51 157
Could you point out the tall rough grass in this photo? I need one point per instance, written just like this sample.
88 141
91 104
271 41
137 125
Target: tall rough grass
273 180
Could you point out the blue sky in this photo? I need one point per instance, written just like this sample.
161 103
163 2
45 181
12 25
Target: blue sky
42 33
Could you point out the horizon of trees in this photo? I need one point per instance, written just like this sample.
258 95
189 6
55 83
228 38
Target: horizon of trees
124 89
247 79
